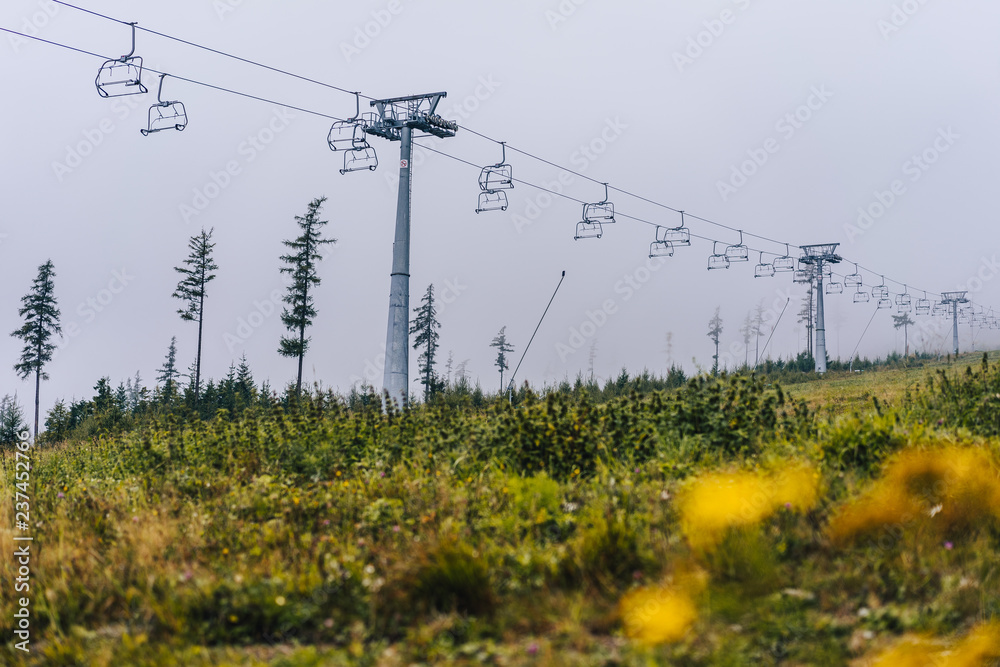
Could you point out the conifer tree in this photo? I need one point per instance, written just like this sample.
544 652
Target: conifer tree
198 271
41 321
168 374
426 326
714 332
301 265
503 349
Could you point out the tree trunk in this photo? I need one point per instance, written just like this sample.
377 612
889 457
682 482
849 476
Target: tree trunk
201 319
38 388
302 354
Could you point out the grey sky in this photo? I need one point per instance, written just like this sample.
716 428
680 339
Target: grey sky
662 100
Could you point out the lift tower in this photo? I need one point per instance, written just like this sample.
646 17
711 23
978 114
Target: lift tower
396 119
953 299
817 256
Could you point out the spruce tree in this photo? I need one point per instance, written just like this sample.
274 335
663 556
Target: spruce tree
301 265
198 271
426 326
503 349
168 374
12 422
41 321
715 332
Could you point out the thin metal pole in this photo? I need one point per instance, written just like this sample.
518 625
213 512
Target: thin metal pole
523 354
853 354
397 338
773 329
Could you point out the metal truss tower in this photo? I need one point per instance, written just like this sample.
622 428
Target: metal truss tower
396 119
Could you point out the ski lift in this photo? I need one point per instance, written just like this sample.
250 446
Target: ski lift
661 247
827 272
963 317
493 180
763 270
360 159
854 279
678 236
499 176
602 212
803 274
834 288
350 136
588 230
923 305
122 76
862 297
784 264
883 304
492 201
904 304
717 260
881 291
738 252
165 115
941 310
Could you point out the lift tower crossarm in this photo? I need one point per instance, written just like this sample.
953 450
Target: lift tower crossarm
396 119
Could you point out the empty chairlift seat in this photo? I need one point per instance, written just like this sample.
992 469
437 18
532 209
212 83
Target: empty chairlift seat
165 115
121 76
493 181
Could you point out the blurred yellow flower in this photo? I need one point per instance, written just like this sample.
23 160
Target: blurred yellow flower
980 647
715 502
654 616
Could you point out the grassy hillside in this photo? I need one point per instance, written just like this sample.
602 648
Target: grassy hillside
852 520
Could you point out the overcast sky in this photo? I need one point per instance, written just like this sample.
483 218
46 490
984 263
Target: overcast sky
785 119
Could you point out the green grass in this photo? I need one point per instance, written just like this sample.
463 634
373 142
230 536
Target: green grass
450 535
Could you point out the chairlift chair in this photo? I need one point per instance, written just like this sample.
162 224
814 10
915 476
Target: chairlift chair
602 212
587 230
492 200
678 236
661 247
784 264
717 260
165 115
827 272
803 275
360 159
941 310
880 291
121 76
862 297
738 252
884 304
923 305
854 279
499 176
904 303
350 137
834 288
763 269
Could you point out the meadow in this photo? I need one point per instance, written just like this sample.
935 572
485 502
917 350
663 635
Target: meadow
849 520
